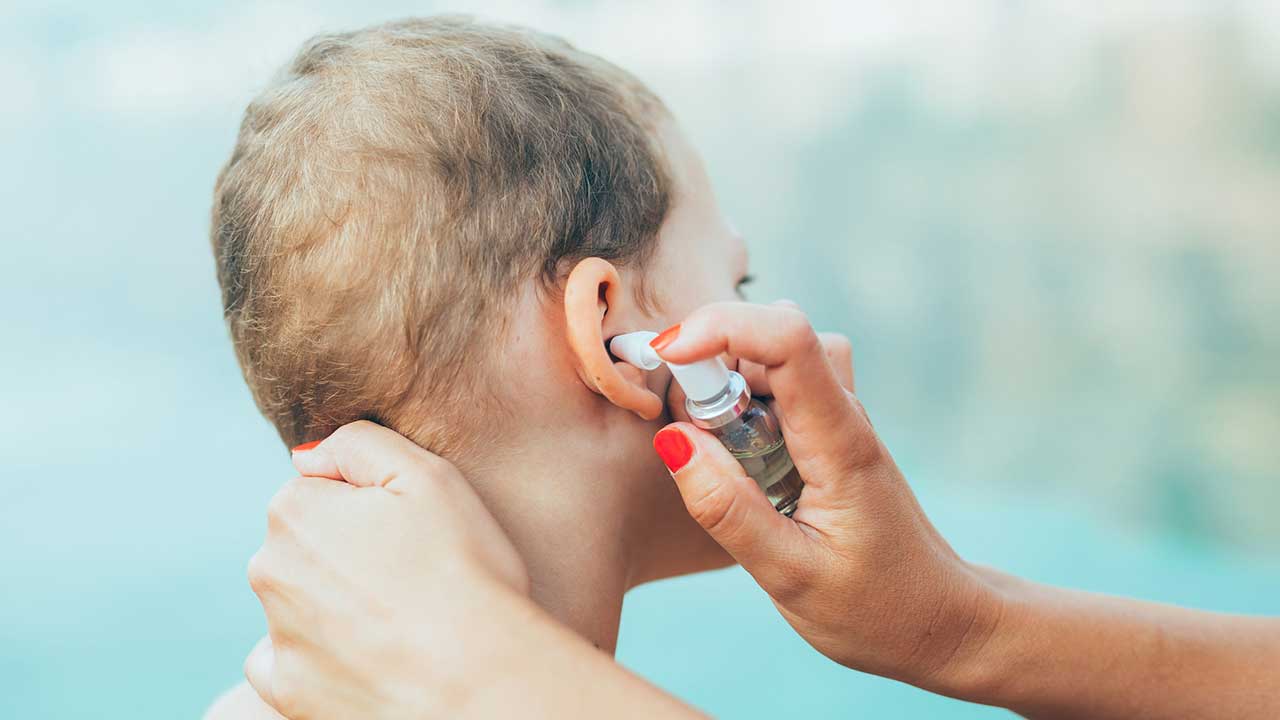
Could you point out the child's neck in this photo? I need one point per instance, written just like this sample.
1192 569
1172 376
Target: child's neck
573 517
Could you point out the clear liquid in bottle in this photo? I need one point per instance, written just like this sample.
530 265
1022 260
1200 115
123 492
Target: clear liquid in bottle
756 441
776 474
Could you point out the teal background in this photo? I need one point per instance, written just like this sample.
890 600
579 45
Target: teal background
1052 231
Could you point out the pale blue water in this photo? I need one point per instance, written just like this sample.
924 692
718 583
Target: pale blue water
1057 266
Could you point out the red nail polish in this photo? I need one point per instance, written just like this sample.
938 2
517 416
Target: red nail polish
673 447
306 446
665 338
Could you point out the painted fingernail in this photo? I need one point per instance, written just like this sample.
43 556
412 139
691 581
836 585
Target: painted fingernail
665 338
673 447
306 446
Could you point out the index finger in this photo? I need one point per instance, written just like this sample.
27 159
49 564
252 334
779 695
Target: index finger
366 454
839 353
824 422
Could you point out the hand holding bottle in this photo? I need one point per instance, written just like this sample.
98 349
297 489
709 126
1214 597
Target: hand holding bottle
710 396
861 573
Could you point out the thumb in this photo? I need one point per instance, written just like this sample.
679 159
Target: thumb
728 504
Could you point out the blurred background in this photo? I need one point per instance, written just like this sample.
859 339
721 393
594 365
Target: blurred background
1052 230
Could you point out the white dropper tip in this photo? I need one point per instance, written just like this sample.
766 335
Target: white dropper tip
701 381
634 348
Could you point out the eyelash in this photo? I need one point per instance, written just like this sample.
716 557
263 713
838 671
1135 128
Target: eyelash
745 281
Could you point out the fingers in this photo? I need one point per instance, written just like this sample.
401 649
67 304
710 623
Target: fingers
274 570
306 497
294 498
839 353
366 454
825 423
728 504
258 669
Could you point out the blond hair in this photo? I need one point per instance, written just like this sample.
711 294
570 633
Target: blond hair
391 190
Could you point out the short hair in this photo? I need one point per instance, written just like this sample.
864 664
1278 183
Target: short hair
392 190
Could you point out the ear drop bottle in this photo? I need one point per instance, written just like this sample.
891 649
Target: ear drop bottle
719 401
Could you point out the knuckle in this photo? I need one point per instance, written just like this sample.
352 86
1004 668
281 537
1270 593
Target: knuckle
795 329
717 509
260 579
837 344
352 431
281 504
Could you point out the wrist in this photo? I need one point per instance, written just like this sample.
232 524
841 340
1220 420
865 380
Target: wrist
973 666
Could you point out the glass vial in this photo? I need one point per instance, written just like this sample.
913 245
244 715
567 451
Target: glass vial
747 428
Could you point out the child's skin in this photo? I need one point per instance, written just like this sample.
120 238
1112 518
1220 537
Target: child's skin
584 500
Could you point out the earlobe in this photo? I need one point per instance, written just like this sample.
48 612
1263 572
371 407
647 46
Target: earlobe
592 289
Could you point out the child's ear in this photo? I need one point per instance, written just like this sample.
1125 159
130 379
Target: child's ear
593 298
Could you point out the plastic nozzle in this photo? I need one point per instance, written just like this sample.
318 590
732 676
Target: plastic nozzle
633 348
701 381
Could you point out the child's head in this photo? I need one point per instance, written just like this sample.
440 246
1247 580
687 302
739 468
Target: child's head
403 199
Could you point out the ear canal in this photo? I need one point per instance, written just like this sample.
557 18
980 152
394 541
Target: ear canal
591 289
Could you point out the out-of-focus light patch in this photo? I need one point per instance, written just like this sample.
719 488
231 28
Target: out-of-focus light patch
692 35
1242 431
957 48
161 72
1267 52
18 78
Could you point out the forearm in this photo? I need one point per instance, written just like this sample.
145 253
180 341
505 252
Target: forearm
536 668
1055 653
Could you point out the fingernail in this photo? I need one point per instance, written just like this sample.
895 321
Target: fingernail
665 338
306 446
673 447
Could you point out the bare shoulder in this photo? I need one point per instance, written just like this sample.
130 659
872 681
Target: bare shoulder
240 703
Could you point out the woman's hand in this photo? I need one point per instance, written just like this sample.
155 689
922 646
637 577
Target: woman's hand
401 559
390 591
861 573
